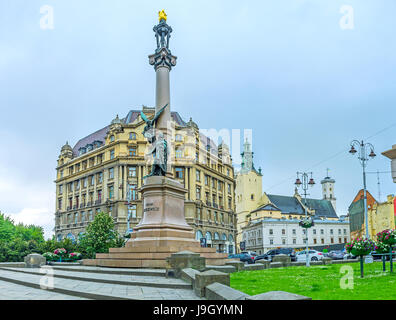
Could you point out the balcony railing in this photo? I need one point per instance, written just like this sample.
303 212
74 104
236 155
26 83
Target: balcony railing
89 204
82 205
215 205
98 202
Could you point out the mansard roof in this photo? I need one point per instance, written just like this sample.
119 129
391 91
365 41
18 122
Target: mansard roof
132 115
291 205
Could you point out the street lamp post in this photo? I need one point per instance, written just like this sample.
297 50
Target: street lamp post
305 183
363 158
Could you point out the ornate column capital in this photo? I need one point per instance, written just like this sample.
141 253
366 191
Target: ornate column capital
162 58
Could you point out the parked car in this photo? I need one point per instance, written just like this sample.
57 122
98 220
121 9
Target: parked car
271 253
349 256
312 254
252 253
336 255
244 257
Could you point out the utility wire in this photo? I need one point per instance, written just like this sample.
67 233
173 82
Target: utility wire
334 156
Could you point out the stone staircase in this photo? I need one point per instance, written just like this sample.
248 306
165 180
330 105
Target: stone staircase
99 283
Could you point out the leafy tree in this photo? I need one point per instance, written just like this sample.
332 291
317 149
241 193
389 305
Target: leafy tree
100 236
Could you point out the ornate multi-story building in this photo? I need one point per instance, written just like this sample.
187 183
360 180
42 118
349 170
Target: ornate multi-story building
104 171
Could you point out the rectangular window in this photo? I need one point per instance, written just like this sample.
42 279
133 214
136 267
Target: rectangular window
314 231
90 215
199 214
321 231
131 171
271 241
111 192
99 196
111 154
100 177
133 192
132 151
132 211
91 180
206 180
60 204
61 173
77 183
198 193
294 241
85 182
61 189
179 173
229 188
294 231
198 175
111 173
271 231
83 216
283 231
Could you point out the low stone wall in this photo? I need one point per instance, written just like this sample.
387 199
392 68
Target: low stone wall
219 291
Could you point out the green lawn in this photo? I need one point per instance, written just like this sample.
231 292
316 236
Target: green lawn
320 282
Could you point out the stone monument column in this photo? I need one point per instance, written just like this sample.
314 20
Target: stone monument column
163 61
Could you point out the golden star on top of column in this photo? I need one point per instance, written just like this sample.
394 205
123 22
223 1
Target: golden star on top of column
162 15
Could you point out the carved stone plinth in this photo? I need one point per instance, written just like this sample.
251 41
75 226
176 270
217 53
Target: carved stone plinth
162 231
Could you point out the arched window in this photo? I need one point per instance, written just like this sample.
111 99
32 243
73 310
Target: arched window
59 237
216 236
132 136
198 235
208 236
231 238
71 237
224 237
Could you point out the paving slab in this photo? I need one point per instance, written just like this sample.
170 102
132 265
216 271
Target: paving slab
75 289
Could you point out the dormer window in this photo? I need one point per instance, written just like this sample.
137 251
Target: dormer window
82 150
112 138
89 147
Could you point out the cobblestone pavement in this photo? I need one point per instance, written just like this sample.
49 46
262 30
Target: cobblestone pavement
117 291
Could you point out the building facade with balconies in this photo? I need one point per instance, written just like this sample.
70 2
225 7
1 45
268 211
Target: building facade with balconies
104 172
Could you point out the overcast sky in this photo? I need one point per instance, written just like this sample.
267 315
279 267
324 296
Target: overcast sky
306 77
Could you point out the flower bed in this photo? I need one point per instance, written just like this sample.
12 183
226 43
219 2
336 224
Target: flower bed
60 255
